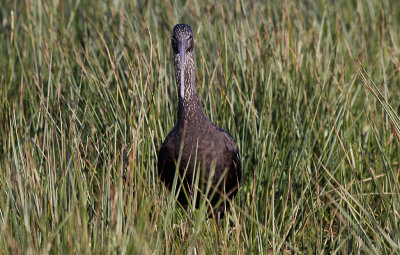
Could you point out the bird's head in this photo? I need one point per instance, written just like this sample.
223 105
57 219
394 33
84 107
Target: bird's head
182 43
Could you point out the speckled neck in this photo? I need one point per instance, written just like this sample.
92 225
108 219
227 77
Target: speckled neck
189 106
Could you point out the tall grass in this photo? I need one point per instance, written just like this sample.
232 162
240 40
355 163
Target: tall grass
309 90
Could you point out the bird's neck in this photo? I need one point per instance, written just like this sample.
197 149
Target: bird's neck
190 109
189 105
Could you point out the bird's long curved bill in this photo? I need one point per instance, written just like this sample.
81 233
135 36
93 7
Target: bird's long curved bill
182 50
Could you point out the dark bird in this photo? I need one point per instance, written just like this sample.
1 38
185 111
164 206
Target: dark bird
206 150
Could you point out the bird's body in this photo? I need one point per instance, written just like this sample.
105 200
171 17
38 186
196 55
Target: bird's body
205 151
210 158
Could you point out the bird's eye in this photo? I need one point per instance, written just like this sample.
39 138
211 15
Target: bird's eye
190 37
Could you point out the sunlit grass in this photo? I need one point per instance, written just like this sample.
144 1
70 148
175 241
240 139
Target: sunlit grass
308 90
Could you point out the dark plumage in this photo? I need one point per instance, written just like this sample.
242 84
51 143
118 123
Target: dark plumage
203 143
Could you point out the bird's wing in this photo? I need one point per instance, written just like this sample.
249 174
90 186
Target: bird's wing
166 165
233 149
